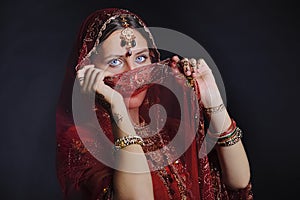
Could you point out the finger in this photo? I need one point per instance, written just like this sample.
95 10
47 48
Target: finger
87 79
199 62
186 66
202 66
92 80
174 61
81 80
100 75
80 77
82 70
80 73
175 58
193 63
101 88
98 82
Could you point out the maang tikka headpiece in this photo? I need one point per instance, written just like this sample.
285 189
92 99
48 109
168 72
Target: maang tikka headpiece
127 36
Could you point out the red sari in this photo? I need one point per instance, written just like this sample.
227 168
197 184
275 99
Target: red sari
176 174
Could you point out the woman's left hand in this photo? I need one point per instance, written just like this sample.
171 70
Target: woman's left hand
202 75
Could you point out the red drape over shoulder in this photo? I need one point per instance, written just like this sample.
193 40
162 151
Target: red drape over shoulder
82 175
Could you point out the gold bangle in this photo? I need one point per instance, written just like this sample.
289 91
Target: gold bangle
128 140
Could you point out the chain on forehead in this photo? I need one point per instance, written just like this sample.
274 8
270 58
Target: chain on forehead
94 50
103 27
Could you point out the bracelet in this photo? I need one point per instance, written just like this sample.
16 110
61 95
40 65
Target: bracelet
231 140
229 137
226 133
128 140
215 109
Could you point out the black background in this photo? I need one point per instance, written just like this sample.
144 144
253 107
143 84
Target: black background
255 45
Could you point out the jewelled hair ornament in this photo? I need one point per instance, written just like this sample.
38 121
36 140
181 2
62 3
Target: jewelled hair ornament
127 36
102 20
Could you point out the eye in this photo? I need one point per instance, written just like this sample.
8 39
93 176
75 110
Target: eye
141 59
115 62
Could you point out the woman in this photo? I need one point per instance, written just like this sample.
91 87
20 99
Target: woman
117 61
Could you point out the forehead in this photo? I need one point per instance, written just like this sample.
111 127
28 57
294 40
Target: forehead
112 45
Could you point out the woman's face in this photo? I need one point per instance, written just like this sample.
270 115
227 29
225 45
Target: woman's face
112 57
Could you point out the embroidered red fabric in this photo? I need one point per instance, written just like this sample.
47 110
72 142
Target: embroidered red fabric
175 175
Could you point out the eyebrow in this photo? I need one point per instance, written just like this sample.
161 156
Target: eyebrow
113 56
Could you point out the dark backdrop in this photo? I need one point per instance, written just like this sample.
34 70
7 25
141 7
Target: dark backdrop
254 43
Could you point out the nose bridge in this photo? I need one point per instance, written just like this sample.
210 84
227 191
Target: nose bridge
130 63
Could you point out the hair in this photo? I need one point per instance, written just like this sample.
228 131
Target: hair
116 24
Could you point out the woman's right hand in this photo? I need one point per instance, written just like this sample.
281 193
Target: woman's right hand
91 80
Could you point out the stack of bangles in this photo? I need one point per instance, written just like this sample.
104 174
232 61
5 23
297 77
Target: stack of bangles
229 137
128 140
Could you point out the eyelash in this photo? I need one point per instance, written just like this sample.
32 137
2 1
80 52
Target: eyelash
113 66
145 57
110 62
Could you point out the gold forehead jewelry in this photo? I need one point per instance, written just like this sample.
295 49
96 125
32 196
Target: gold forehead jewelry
127 36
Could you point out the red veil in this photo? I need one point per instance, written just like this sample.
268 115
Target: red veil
85 163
